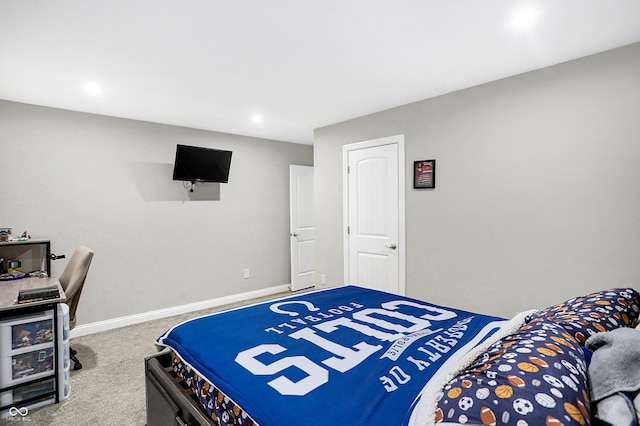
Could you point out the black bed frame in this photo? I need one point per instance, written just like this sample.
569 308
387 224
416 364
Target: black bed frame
169 402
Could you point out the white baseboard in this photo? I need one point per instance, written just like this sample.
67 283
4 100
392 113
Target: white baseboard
95 327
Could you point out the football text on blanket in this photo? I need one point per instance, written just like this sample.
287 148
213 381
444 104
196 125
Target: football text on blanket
337 356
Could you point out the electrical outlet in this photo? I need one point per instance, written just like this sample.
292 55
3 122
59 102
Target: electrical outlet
246 274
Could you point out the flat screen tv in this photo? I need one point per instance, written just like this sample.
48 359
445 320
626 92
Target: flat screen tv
196 164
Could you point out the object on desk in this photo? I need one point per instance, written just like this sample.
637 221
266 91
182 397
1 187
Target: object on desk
3 266
23 237
14 275
14 265
35 294
4 234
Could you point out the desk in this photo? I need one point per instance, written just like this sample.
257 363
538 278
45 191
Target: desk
44 383
9 294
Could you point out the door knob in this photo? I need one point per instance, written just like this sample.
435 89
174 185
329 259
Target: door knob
392 246
293 234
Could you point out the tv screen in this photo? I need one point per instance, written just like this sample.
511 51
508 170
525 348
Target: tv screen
198 164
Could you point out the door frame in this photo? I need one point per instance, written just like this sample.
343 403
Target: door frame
397 140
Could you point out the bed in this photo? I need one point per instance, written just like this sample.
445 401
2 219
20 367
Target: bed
356 356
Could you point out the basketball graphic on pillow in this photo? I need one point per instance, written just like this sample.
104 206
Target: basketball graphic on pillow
528 367
454 393
574 412
546 351
504 391
560 341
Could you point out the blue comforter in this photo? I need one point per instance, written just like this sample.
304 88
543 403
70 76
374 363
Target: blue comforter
346 355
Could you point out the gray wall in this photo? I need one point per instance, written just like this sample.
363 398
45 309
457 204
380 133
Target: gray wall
538 186
107 183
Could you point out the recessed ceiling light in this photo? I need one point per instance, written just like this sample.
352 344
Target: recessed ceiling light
256 118
92 88
524 18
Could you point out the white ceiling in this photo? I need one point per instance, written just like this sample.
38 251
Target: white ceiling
298 64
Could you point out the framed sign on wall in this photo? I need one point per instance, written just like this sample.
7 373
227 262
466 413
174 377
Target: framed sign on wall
424 174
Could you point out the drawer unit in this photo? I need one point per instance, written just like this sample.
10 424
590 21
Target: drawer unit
32 333
64 374
26 348
35 392
28 359
27 366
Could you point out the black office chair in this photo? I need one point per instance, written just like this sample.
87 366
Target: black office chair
72 280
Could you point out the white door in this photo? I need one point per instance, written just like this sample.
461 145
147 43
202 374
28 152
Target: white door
375 215
303 244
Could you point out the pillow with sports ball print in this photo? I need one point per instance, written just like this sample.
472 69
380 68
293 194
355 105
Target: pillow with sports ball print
593 313
536 376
